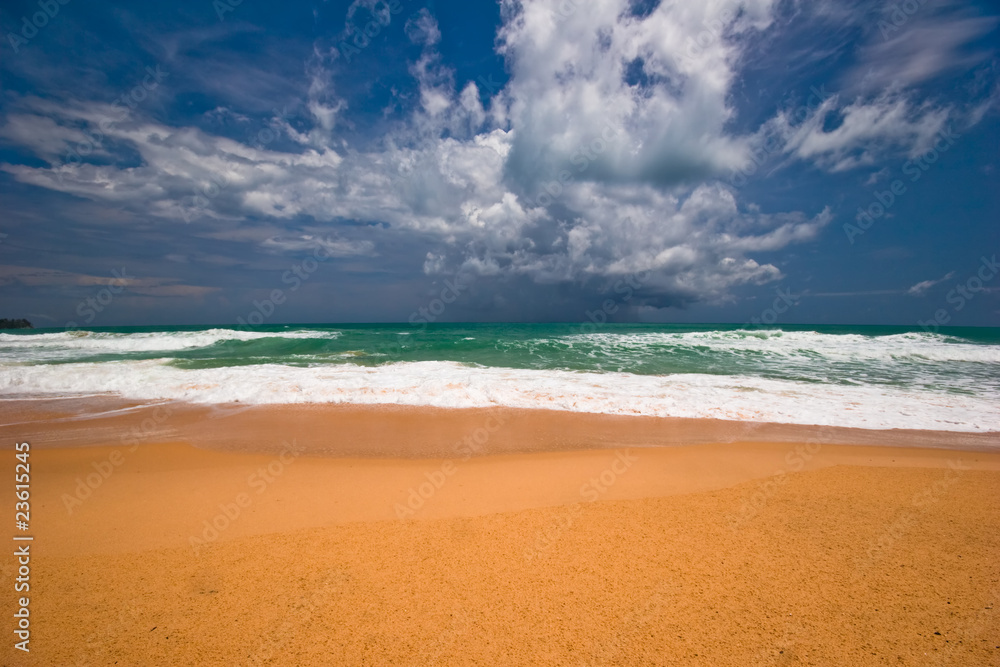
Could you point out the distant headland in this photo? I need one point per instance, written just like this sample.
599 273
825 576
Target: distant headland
15 324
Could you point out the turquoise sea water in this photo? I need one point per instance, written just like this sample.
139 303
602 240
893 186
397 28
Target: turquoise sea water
953 375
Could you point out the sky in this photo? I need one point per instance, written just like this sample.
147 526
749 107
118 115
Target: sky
746 161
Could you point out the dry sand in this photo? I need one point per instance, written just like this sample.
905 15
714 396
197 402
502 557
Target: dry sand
759 546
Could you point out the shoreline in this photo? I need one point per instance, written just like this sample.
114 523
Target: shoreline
359 535
347 464
361 431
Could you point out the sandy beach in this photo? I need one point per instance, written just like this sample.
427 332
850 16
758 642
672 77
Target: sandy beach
519 333
374 536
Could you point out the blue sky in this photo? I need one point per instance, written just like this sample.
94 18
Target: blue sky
198 162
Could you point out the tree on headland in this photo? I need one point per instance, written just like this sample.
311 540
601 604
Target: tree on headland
15 324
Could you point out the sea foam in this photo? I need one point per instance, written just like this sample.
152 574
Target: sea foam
454 385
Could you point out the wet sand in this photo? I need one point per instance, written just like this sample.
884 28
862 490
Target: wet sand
396 536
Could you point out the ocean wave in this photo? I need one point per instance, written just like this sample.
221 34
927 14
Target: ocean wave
49 345
455 385
912 346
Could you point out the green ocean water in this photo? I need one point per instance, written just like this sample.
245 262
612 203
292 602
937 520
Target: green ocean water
875 374
807 353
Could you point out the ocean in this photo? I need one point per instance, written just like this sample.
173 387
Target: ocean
852 376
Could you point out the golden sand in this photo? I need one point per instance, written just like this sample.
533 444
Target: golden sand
742 552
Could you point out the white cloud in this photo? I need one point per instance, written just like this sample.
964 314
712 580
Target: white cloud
876 176
335 247
433 263
923 286
597 159
695 246
222 115
929 44
422 28
50 140
568 91
379 10
867 132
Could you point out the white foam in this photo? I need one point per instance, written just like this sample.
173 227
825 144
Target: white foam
47 346
913 346
453 385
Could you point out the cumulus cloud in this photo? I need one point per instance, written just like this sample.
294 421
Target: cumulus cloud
694 245
576 85
600 157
